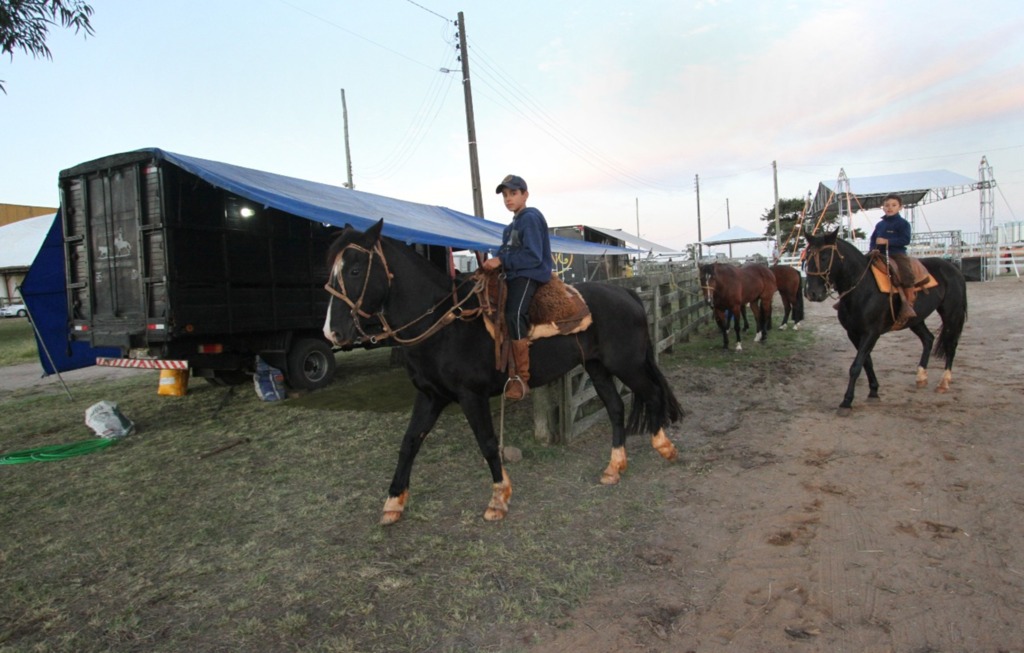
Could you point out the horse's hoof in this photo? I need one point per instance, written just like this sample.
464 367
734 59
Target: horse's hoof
873 398
941 389
664 446
494 514
393 508
617 465
501 494
922 384
843 411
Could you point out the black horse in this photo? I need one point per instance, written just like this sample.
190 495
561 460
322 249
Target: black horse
866 313
376 282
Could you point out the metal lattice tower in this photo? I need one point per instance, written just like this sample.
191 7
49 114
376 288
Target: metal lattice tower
987 209
843 202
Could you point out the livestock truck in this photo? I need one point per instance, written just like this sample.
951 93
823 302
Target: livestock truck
177 272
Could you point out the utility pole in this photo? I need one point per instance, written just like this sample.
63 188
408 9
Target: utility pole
700 247
474 163
348 153
728 223
775 176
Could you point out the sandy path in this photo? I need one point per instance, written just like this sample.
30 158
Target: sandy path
899 528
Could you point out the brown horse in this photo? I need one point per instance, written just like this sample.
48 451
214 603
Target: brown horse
791 291
729 288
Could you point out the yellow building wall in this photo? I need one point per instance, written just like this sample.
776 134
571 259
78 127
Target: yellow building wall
14 212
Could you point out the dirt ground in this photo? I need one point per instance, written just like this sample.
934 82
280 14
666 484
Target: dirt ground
899 528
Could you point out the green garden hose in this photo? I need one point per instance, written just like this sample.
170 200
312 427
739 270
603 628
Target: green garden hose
55 451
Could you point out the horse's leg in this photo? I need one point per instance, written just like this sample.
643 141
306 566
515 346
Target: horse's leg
425 411
867 343
736 311
604 384
651 395
869 371
477 409
927 340
722 320
787 306
757 308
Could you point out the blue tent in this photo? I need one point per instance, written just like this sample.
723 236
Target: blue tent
44 287
45 294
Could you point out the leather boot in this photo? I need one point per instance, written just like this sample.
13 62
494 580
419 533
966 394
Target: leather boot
518 379
907 312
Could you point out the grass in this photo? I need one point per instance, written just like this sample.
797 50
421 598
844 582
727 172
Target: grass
273 545
704 349
17 341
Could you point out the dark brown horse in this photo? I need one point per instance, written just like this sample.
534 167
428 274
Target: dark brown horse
728 288
791 291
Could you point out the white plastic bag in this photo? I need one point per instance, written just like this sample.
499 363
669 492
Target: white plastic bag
106 419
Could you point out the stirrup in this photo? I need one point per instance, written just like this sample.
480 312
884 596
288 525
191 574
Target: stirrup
510 387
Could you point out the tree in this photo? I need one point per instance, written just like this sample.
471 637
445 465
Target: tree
790 211
25 24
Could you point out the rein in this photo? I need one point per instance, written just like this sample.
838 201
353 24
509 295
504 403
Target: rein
826 276
455 312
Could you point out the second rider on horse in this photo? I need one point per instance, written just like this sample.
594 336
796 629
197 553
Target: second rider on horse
525 257
893 233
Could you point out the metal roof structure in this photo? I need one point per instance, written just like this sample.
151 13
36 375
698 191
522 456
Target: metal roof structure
734 235
635 241
863 193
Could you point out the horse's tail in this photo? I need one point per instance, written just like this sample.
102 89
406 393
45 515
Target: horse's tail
953 310
649 414
798 305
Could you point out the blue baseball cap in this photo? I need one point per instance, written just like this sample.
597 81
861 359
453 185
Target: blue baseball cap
511 182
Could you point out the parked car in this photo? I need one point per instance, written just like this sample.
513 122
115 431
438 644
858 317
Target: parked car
14 310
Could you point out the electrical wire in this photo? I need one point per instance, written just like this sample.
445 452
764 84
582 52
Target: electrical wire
515 97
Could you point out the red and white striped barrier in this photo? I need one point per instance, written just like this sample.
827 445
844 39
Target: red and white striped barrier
142 364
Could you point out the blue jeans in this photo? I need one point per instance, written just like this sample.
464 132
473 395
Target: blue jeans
517 308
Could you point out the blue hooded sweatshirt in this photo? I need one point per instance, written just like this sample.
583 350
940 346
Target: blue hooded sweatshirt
896 230
525 247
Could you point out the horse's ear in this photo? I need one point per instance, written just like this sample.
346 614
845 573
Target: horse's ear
831 236
373 233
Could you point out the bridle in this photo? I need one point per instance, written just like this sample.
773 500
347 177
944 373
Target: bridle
826 276
357 312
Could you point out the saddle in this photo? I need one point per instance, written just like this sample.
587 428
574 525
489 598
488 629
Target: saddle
557 309
922 278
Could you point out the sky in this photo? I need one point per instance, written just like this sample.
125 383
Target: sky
613 112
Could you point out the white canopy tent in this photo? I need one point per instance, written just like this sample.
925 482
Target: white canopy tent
19 243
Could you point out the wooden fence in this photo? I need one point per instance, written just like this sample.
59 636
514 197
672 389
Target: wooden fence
675 309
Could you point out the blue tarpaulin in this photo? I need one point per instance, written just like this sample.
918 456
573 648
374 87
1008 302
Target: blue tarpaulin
409 222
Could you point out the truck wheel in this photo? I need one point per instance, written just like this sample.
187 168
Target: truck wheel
310 364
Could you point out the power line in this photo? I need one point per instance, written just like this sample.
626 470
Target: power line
520 100
429 11
358 36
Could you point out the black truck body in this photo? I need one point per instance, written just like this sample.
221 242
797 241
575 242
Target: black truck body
167 267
